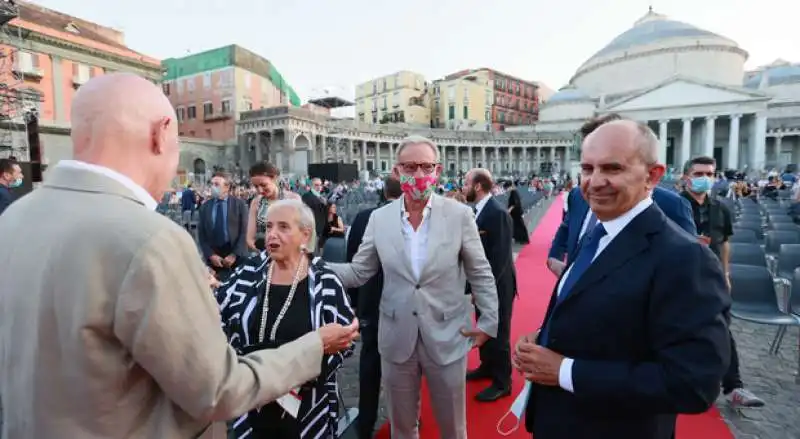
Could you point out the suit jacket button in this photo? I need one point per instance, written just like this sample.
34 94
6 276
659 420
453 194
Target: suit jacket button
415 313
417 287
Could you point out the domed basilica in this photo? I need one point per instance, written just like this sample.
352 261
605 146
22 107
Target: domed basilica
691 87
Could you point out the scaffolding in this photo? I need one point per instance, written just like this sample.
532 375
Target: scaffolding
19 105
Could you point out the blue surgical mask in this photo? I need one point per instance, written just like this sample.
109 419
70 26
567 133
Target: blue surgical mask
699 185
216 192
16 183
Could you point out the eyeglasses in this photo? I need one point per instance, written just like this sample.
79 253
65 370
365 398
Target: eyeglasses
411 167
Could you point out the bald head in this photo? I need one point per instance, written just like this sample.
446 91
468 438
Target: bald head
123 122
638 135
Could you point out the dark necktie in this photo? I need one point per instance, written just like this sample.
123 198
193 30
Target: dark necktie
219 224
583 261
590 223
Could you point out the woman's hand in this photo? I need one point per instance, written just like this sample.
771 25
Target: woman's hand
336 338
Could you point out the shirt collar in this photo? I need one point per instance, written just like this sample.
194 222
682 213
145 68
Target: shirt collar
618 224
138 191
425 211
480 204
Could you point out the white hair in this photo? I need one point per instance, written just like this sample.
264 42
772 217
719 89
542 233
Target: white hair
305 218
648 143
416 140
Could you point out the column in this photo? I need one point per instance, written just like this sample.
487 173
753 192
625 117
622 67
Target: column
708 145
525 164
258 141
777 148
758 150
363 163
732 156
483 158
552 157
58 89
510 159
457 155
391 155
686 144
663 126
349 152
469 157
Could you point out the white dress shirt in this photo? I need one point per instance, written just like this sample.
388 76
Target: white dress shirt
613 228
137 190
481 204
416 240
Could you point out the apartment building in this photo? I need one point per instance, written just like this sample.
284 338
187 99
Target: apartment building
210 89
462 102
514 101
397 98
46 56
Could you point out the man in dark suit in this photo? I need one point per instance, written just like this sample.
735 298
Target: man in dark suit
634 333
222 228
368 302
578 216
10 178
496 232
318 205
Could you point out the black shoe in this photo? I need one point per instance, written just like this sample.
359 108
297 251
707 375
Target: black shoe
477 374
492 393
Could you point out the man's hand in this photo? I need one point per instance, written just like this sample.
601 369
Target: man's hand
479 337
336 338
527 338
539 364
216 261
728 281
702 239
213 282
229 261
556 266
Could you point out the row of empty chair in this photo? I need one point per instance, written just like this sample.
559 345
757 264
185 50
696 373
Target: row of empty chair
765 266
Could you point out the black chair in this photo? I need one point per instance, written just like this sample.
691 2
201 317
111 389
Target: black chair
747 254
743 236
774 239
335 250
753 291
757 228
779 219
788 261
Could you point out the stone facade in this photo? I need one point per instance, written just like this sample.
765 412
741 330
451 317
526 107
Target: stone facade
293 137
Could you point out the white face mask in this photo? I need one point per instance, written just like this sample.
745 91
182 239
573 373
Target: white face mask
517 408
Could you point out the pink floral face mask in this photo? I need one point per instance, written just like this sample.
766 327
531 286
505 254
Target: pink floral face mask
418 188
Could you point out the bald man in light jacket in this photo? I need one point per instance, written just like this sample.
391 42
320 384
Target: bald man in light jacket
108 328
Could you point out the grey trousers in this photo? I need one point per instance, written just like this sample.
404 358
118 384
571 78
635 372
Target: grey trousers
446 387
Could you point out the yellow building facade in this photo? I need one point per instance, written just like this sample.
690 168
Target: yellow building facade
464 102
397 98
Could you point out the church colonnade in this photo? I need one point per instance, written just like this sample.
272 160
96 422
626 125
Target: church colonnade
292 152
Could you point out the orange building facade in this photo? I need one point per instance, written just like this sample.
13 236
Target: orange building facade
49 55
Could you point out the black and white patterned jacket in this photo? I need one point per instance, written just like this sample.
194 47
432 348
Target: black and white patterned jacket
238 299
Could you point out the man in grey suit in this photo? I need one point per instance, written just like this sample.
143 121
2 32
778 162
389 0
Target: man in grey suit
425 244
108 328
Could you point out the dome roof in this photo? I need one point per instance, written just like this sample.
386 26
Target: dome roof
653 28
777 74
568 94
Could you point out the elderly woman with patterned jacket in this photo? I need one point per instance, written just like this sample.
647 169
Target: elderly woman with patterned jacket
276 297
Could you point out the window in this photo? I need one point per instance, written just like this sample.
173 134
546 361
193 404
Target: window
451 112
396 99
488 97
374 105
180 84
27 62
397 80
487 115
384 102
206 80
226 78
248 105
384 84
451 93
208 109
191 112
165 87
226 106
208 133
375 87
466 112
181 113
190 83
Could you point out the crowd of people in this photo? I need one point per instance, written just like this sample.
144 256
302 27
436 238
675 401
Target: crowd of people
114 327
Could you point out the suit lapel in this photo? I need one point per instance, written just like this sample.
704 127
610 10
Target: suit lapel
581 208
437 224
631 241
231 218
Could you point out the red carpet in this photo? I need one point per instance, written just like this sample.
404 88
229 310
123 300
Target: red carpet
535 284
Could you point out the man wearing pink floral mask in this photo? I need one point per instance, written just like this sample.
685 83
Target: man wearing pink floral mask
427 246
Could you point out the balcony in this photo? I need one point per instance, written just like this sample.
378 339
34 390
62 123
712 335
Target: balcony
29 73
225 115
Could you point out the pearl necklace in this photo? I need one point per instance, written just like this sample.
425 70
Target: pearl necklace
282 313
